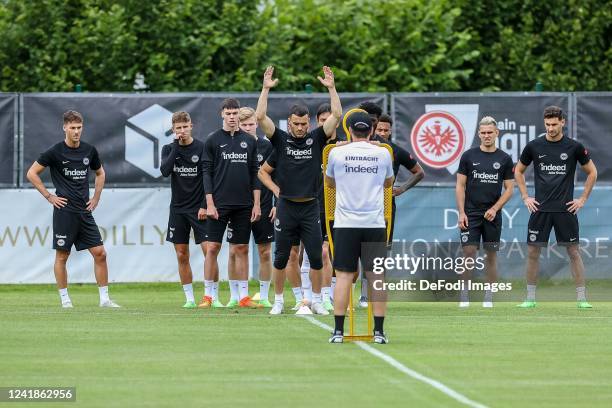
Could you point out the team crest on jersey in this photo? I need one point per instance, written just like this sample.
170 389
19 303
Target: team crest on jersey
195 158
496 165
243 145
563 156
86 161
309 141
438 139
260 157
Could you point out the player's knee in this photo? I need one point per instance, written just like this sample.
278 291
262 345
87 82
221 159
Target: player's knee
240 249
62 256
282 257
573 252
533 253
100 255
182 255
316 261
264 252
213 248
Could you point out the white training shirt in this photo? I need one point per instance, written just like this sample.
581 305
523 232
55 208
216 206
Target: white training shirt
360 170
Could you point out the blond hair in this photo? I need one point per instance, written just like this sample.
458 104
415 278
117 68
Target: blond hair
488 120
245 113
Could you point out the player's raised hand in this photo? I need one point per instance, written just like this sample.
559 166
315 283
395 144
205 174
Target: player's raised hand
532 204
328 79
268 82
58 202
575 205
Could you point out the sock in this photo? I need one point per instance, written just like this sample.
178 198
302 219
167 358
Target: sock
364 288
103 293
305 267
188 289
243 288
339 329
215 291
234 290
531 289
378 324
264 288
279 298
488 297
64 298
316 297
464 295
297 292
581 293
208 288
333 287
325 294
306 285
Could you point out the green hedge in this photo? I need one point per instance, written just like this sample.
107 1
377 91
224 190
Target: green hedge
207 45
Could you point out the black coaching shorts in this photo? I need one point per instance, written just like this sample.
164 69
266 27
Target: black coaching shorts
352 244
239 230
540 224
263 229
78 229
479 228
180 226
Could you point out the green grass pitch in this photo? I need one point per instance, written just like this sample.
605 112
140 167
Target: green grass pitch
152 353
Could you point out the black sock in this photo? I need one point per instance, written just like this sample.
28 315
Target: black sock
339 324
378 323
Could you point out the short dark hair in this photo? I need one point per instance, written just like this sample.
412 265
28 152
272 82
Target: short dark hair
230 103
72 116
386 119
371 108
323 108
299 110
180 117
361 133
553 112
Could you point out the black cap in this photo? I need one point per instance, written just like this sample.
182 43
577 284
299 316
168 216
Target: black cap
360 121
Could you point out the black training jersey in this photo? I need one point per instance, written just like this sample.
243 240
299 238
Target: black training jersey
185 165
554 165
485 173
264 149
70 172
230 168
401 156
298 171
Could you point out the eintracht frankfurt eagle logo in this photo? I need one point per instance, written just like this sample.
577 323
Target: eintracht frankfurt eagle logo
438 139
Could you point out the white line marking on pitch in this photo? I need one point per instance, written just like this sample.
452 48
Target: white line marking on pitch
408 371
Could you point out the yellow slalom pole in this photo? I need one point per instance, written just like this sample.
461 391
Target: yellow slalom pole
344 125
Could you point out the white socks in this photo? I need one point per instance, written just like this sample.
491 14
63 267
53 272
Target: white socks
531 292
325 293
581 293
64 298
215 290
208 288
103 294
279 298
188 289
297 292
306 285
243 289
234 290
264 288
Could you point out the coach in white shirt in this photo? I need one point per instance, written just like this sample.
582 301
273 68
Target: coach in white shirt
359 171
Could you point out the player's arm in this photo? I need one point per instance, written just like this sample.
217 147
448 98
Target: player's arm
207 175
98 186
330 181
503 199
460 198
168 158
591 172
33 176
519 177
265 176
330 124
256 185
265 123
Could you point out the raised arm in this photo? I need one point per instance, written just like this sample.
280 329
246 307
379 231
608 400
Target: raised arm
330 124
265 123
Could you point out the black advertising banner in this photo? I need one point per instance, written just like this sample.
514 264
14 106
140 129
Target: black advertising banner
438 128
8 128
129 130
594 131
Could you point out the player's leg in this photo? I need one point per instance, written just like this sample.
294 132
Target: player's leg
305 276
538 232
65 230
567 232
239 237
179 228
263 235
214 236
293 274
470 243
285 236
233 280
310 235
61 276
326 276
491 237
374 246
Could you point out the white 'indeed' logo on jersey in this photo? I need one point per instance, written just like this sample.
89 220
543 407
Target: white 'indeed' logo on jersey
441 135
145 134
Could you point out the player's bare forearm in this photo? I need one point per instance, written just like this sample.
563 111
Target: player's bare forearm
99 183
330 124
591 172
330 181
265 123
519 177
506 196
460 193
210 202
266 178
33 176
256 197
416 178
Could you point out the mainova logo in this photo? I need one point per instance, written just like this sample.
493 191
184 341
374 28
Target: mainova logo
440 136
145 134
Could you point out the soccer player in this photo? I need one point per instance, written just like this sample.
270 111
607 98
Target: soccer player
298 170
73 223
359 171
323 112
182 161
482 172
232 196
263 229
554 160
